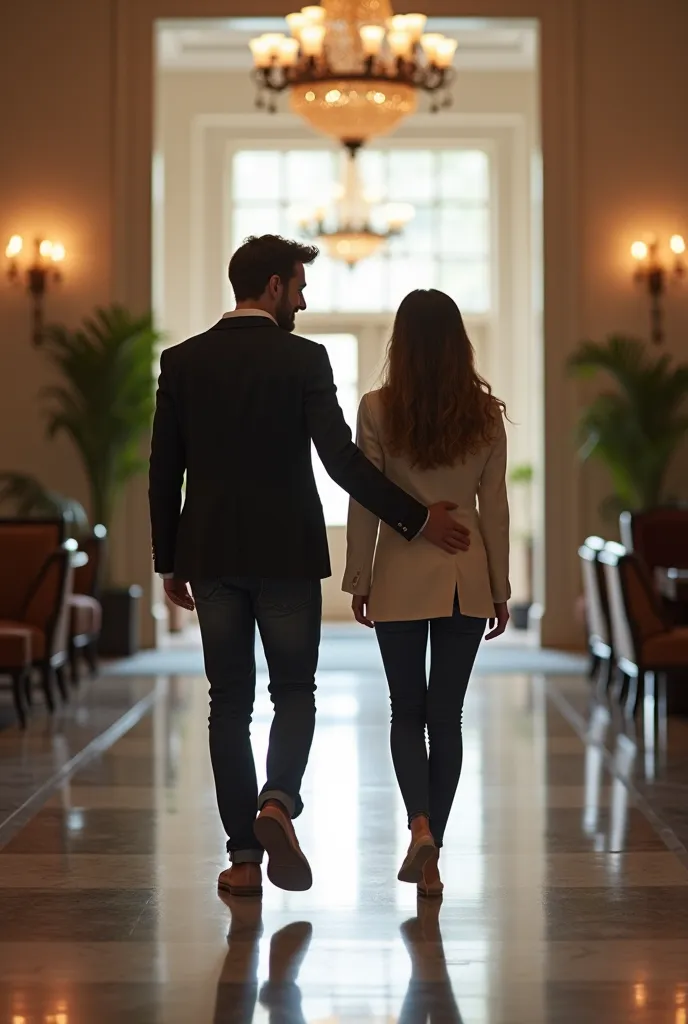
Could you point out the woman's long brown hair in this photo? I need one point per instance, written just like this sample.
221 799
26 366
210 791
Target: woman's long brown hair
438 409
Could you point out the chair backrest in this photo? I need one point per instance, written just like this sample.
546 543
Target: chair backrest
634 608
658 536
88 578
25 547
595 591
47 605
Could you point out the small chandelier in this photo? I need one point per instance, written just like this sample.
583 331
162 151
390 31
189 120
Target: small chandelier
353 69
347 234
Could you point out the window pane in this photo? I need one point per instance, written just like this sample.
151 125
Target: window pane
464 174
256 175
408 274
319 292
255 220
464 231
309 176
411 175
362 287
468 283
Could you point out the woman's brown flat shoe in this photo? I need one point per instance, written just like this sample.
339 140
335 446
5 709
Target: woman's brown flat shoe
430 889
419 852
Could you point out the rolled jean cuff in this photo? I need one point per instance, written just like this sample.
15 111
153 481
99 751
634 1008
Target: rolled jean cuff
275 794
246 856
417 814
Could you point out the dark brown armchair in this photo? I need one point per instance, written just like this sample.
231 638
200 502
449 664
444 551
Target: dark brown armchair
645 644
597 612
35 581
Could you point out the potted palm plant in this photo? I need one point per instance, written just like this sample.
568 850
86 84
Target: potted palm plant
635 429
104 403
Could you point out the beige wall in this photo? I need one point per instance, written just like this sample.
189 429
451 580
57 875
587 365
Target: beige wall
615 150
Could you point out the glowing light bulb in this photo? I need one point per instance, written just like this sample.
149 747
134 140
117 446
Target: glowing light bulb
261 52
399 214
429 43
371 39
677 244
14 246
639 251
400 43
415 24
46 248
313 15
57 253
288 53
312 38
296 23
444 52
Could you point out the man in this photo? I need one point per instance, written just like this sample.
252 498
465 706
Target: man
237 409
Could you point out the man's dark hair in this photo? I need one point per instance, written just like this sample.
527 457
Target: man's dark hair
259 258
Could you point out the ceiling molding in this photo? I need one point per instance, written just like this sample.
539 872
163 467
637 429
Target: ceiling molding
214 45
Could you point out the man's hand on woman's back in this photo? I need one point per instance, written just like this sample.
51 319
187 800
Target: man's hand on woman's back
444 531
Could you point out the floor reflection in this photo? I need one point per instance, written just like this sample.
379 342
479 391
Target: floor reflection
237 988
429 997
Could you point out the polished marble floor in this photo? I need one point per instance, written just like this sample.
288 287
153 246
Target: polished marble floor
566 897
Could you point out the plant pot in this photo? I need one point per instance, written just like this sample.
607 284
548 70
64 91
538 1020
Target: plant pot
519 614
119 636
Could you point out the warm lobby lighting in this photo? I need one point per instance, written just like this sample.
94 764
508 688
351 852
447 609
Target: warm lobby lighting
37 274
654 274
347 234
353 69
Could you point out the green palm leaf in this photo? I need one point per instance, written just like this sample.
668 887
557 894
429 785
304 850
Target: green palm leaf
105 400
635 429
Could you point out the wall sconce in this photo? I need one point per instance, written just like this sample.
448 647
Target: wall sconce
654 275
37 276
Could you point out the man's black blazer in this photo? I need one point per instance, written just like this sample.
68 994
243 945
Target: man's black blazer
237 409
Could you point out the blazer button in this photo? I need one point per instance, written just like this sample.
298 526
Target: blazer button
405 530
400 525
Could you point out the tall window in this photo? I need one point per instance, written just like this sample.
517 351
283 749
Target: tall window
446 245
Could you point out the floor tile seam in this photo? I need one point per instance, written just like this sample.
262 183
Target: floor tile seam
21 815
659 825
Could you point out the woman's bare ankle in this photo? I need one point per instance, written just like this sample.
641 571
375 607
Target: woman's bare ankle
420 826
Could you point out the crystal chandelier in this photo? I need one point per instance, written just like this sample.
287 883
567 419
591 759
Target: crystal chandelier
346 232
353 69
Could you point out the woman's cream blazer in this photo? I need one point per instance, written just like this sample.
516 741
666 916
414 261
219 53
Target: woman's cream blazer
416 580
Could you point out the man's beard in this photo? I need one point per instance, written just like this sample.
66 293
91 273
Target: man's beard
285 315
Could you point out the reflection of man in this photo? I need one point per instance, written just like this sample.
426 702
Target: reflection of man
237 987
237 409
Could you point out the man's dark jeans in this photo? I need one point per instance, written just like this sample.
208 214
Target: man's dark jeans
288 614
428 777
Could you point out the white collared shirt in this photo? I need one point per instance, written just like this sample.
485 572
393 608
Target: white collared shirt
249 312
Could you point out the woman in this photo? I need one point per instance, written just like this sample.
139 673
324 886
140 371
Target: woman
434 428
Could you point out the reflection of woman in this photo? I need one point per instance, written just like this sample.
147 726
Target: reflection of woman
435 429
429 997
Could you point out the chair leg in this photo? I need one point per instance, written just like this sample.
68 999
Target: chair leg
74 665
47 684
649 711
631 702
594 665
61 677
91 655
27 683
18 685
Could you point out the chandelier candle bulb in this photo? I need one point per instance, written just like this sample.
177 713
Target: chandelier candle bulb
677 245
261 53
313 15
372 37
288 53
444 52
429 43
312 39
415 24
296 22
400 43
